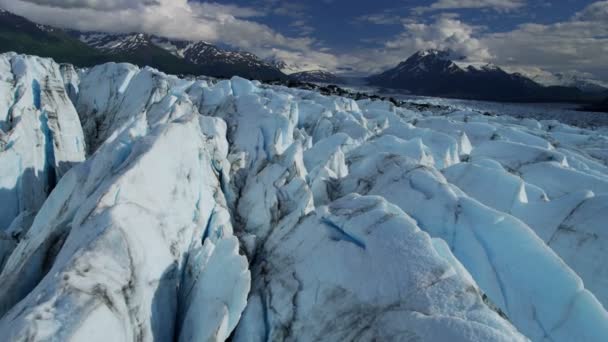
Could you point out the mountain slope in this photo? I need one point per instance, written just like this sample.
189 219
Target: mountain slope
23 36
180 55
87 49
220 62
136 49
435 73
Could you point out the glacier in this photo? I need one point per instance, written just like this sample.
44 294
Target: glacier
136 205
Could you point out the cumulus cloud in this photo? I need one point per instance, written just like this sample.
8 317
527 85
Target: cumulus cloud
497 5
580 43
446 33
597 11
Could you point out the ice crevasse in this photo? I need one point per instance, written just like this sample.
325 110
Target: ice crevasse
138 205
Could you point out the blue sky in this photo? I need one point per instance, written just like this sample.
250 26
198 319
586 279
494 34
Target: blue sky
362 36
338 24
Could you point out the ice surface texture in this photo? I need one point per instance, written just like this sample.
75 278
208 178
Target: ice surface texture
213 209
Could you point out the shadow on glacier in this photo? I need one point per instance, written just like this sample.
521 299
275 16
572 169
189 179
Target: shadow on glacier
165 318
31 189
15 200
18 208
9 123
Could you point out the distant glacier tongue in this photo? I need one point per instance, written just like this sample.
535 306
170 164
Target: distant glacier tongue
209 210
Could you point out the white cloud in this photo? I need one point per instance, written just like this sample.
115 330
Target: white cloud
446 33
382 18
580 43
497 5
597 11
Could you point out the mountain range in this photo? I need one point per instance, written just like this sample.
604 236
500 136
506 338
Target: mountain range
429 72
196 57
86 49
441 73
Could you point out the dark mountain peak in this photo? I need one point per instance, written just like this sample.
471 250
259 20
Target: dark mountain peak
446 55
434 56
483 67
9 18
428 61
443 73
10 21
432 63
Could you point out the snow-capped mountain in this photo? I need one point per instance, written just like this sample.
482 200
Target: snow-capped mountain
209 59
423 62
440 73
316 76
199 53
569 79
140 206
89 49
115 43
202 53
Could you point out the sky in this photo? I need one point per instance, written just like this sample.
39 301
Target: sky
360 36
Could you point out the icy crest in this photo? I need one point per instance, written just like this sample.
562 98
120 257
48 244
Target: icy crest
40 139
213 209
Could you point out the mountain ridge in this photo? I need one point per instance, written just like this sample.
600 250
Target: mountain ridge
427 72
86 49
207 58
436 73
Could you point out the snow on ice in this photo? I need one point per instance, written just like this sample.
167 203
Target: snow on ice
212 209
